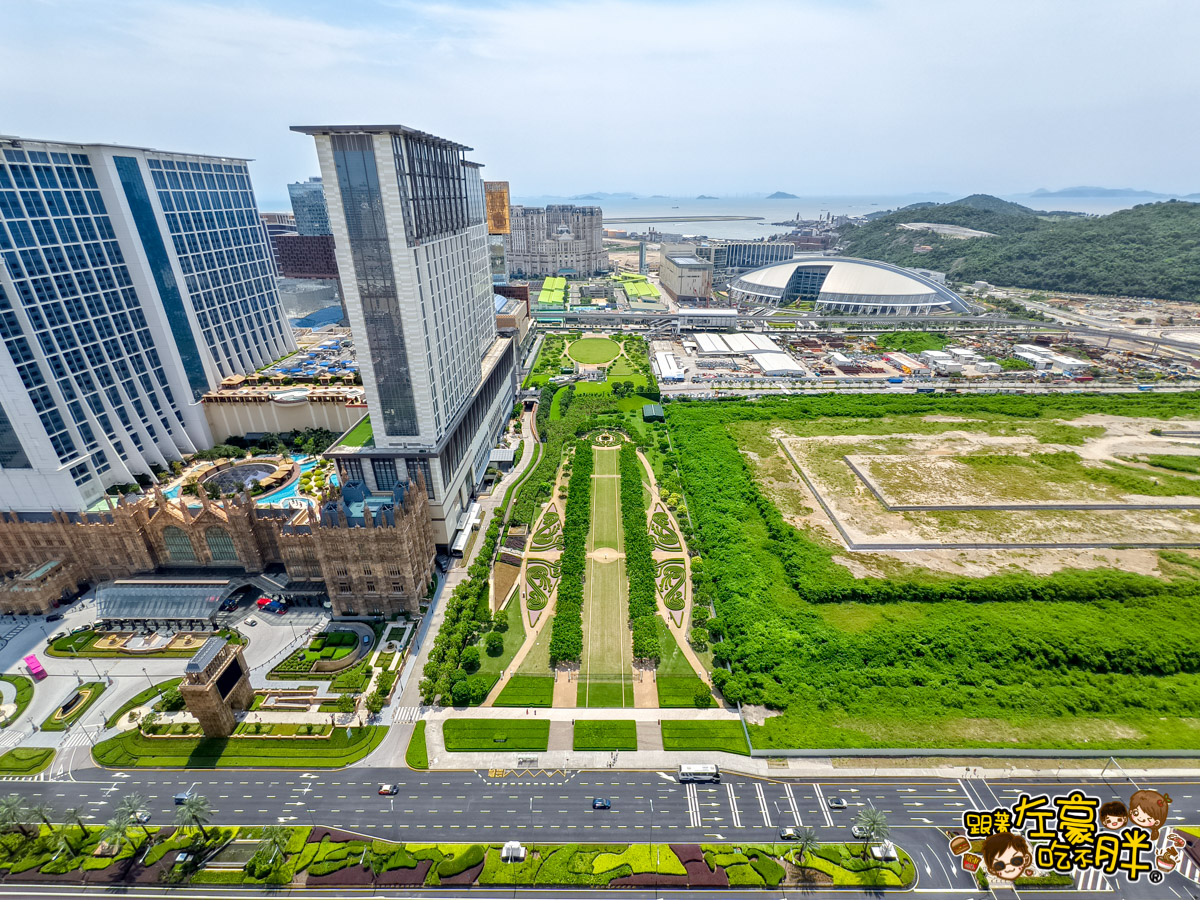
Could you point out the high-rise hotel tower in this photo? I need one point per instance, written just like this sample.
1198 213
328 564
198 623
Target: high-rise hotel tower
133 281
407 213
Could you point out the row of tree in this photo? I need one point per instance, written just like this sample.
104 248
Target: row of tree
566 631
639 558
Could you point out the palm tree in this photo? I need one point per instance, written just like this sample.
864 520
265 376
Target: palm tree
61 843
13 815
274 841
134 806
194 812
116 832
874 822
806 843
43 813
76 816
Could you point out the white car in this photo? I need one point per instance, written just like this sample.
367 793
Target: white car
251 621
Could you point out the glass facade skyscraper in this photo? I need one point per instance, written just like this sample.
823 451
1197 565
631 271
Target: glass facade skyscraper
407 213
133 281
309 207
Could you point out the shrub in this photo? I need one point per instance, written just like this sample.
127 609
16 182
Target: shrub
494 642
469 659
460 862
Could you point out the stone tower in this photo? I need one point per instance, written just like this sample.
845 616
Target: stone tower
215 684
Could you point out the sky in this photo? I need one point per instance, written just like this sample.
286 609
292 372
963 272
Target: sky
562 97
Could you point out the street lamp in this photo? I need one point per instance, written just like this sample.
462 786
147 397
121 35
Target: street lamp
148 678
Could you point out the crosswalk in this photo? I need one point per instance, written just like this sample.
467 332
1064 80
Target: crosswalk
404 714
1189 870
11 738
1092 880
40 776
77 738
693 805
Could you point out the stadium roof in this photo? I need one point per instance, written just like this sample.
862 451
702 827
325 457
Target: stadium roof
849 277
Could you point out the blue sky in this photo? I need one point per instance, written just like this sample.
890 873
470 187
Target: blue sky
564 97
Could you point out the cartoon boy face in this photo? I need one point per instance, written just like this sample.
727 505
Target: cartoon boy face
1113 815
1006 855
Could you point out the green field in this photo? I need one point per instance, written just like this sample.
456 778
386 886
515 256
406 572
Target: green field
463 735
605 678
676 680
922 658
603 734
527 690
594 351
704 735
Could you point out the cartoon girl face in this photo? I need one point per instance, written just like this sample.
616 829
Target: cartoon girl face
1141 817
1148 809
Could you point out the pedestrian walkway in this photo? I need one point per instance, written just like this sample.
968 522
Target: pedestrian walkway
402 715
1092 880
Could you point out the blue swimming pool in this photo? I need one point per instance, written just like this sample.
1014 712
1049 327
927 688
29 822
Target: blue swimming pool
275 497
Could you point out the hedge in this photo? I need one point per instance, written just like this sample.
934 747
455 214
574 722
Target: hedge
566 630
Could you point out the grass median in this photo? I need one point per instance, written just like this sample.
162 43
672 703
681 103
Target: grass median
726 737
417 754
132 749
91 691
464 735
24 694
603 734
25 760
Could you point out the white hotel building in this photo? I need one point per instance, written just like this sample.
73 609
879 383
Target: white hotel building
133 281
407 213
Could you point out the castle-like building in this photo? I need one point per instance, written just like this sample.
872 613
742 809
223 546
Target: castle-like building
374 553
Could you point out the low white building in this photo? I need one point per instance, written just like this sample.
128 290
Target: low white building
710 345
1039 362
988 368
668 367
776 362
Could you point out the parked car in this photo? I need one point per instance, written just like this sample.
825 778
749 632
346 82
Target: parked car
229 605
54 637
388 790
278 608
836 803
263 601
81 628
142 818
442 561
251 621
601 803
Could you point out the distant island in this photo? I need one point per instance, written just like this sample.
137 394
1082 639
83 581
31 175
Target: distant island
706 197
1152 250
1092 191
782 195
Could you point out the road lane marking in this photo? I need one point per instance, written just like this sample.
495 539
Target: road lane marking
737 816
792 803
762 803
693 806
824 806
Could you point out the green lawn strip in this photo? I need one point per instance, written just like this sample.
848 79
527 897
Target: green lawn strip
604 694
704 735
513 638
677 682
94 689
80 645
417 754
527 690
462 735
142 699
24 688
26 760
605 734
131 748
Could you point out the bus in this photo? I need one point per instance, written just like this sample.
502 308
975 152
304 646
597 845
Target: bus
459 546
699 773
35 667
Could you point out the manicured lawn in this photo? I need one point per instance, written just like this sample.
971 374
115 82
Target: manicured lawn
495 734
94 689
513 639
141 699
601 734
676 681
131 749
417 754
605 694
593 351
676 691
24 688
26 760
360 435
705 735
527 690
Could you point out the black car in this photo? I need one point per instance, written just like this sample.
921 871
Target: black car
601 803
229 605
53 617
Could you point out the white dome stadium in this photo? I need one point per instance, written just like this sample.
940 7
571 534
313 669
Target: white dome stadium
842 284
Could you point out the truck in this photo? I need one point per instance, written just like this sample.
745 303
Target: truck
895 381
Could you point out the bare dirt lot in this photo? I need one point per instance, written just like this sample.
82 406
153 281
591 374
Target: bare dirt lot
939 460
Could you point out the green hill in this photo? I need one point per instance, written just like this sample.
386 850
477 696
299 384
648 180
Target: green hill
1151 250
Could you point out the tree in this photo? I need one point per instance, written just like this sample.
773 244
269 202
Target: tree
469 659
375 702
494 643
806 843
274 842
346 704
194 812
76 816
42 812
14 816
874 822
61 843
461 693
134 806
116 832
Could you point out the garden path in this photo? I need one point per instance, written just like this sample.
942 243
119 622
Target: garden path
679 632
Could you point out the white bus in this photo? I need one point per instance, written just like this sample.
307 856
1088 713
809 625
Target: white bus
699 773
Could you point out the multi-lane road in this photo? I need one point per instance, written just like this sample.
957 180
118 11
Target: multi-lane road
556 806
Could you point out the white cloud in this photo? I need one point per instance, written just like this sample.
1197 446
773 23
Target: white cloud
813 96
